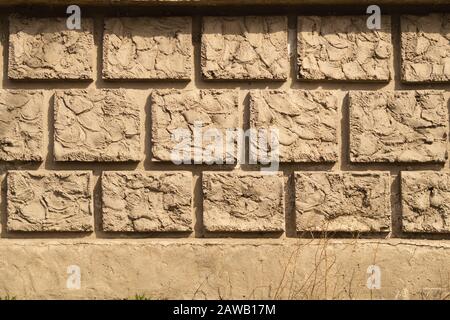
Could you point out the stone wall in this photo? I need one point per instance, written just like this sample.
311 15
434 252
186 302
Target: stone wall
88 123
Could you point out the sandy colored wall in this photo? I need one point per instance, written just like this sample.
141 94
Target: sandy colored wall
182 231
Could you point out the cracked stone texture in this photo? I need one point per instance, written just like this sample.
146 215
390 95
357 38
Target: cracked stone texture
150 201
21 121
43 48
97 125
425 48
342 202
175 114
343 48
252 47
306 122
425 201
147 48
242 202
403 126
49 201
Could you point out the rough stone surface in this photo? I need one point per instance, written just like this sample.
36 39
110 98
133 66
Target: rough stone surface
43 48
347 202
425 201
179 114
49 201
191 260
252 47
426 48
21 121
97 125
242 202
400 126
147 48
150 201
306 122
343 48
225 269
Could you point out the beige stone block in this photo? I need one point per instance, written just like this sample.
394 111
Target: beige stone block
425 48
251 47
398 126
425 201
97 125
243 202
147 201
21 125
343 48
342 201
49 201
44 48
305 121
148 48
188 125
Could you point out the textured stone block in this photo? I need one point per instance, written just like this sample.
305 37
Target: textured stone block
342 202
147 48
306 122
97 125
245 48
43 48
425 201
425 48
49 201
343 48
21 121
147 201
404 126
178 114
243 202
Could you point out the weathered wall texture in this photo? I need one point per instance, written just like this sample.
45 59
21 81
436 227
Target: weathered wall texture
87 124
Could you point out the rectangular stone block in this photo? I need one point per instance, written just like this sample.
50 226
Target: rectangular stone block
147 201
425 201
252 47
243 202
21 122
343 48
147 48
342 201
398 126
425 48
97 125
187 123
49 201
306 122
44 48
